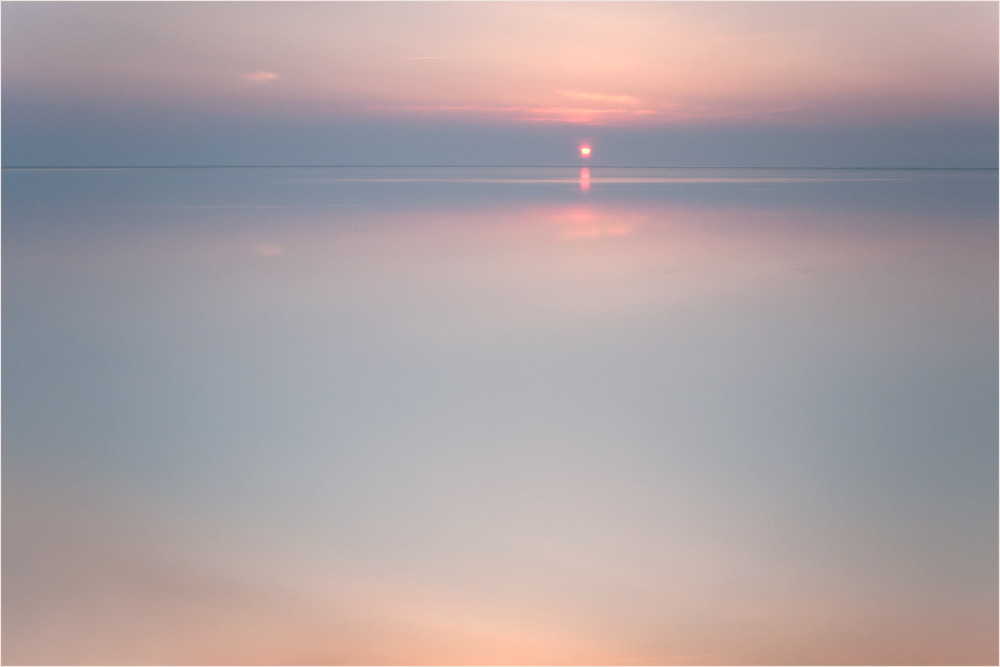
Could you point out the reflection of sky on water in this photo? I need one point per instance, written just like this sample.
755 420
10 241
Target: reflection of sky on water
702 416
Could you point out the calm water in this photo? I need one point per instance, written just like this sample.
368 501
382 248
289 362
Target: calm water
483 415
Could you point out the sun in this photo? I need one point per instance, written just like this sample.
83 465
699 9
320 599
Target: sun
585 151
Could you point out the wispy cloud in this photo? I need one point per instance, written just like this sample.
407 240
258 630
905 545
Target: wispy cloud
267 249
600 97
587 115
260 75
533 113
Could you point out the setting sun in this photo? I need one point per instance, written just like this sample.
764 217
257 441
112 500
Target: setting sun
585 151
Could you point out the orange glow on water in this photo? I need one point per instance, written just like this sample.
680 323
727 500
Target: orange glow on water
585 151
584 179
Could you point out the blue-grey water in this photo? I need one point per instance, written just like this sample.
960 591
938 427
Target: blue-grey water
500 415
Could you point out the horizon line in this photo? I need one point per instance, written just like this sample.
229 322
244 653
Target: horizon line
456 166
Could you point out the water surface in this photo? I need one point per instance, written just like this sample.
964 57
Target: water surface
500 415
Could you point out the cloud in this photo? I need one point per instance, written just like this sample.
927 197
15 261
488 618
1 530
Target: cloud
599 97
267 250
670 112
536 113
260 75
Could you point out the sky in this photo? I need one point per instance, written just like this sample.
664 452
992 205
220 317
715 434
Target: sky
908 84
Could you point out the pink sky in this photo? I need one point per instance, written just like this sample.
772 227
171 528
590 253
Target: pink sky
886 84
613 63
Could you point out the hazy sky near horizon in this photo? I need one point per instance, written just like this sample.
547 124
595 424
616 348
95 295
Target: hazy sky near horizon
698 84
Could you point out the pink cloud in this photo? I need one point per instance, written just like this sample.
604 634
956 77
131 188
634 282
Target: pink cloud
260 75
533 113
586 115
600 97
267 250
